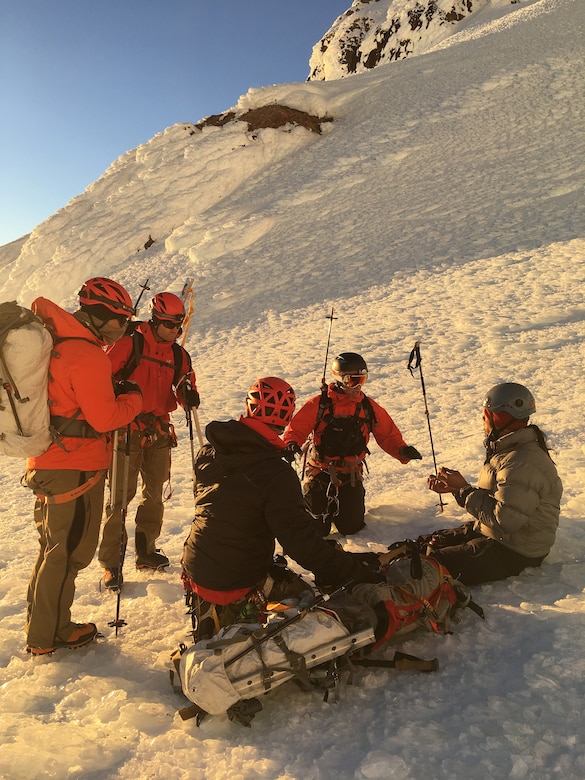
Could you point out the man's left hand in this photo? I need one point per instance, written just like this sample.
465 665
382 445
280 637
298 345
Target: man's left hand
409 453
191 398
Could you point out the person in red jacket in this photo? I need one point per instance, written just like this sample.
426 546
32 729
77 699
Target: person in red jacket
151 357
68 479
337 425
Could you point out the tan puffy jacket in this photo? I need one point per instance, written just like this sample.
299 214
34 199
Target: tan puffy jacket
519 500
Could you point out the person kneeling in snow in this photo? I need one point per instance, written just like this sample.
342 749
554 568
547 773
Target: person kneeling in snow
516 503
336 426
247 496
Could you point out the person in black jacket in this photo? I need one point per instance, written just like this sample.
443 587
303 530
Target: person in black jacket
247 497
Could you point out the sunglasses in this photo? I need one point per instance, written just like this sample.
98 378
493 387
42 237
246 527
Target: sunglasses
353 380
170 324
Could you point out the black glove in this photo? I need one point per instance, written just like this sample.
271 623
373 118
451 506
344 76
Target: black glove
291 450
409 452
191 397
367 568
125 386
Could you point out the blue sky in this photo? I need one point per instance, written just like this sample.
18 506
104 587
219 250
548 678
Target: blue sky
81 83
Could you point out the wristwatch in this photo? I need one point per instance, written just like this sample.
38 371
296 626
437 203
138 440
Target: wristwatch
462 493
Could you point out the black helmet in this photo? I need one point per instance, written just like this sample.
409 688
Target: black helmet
512 398
349 363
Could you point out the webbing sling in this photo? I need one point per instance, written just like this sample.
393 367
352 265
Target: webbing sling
71 495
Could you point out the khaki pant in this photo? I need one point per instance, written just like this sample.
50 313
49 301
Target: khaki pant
153 464
68 537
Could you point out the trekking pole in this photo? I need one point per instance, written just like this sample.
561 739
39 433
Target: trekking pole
415 361
114 470
143 288
118 622
256 642
188 296
191 413
330 317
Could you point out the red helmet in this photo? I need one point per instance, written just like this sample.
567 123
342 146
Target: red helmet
272 401
107 293
167 306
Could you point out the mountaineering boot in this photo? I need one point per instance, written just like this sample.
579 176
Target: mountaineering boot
153 560
39 650
82 634
146 560
113 579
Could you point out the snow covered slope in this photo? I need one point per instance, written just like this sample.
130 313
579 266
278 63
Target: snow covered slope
444 203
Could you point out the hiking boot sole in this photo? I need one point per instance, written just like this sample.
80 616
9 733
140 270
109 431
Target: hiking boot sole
37 652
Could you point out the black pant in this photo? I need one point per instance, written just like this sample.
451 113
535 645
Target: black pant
349 503
473 558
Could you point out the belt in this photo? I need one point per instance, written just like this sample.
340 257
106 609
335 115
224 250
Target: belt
69 426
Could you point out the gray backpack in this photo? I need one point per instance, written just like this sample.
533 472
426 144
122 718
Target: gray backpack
25 351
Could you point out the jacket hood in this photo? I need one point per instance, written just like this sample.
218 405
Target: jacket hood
61 323
235 442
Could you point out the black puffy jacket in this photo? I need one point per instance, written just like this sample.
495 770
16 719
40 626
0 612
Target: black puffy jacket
246 497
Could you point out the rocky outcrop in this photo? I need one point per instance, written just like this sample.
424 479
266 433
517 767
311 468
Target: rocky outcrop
373 32
273 115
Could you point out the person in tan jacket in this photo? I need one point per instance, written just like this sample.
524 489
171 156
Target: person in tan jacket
68 478
516 503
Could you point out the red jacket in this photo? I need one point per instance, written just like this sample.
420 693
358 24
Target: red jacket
384 430
154 377
80 377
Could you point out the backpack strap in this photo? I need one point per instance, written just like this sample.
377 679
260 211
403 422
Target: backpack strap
370 415
138 354
325 405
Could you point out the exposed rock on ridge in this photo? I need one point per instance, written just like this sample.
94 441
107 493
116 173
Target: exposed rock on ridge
273 115
373 32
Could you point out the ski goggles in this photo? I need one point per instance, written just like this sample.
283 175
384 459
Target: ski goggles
353 380
174 324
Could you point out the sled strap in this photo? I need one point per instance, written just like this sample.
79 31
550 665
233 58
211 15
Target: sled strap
71 495
192 712
266 672
298 663
401 661
474 607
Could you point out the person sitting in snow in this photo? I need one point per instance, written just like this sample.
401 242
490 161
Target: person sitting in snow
338 424
516 503
247 497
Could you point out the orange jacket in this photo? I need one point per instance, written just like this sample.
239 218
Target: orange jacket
385 430
154 372
80 377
